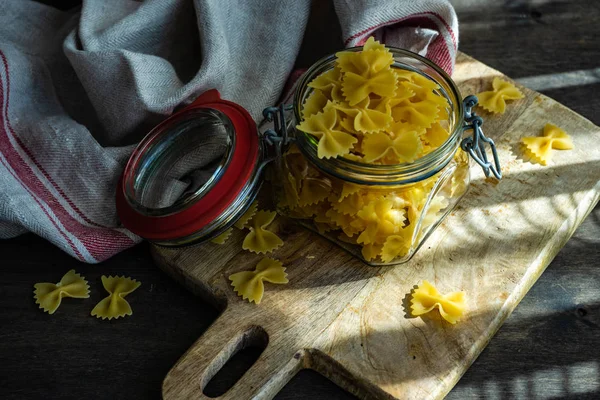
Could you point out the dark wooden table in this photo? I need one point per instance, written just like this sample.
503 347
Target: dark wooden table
548 348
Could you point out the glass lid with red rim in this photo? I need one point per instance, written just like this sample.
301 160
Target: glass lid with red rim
191 177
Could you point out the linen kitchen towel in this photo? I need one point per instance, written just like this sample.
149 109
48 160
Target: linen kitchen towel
78 89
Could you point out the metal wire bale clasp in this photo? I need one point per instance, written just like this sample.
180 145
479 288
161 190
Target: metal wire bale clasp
475 145
277 136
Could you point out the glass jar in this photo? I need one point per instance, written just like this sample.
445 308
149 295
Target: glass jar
196 173
380 213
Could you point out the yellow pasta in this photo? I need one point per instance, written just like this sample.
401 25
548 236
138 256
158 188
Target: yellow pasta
371 251
437 204
50 295
423 113
436 135
374 59
382 220
222 238
540 148
348 189
115 306
364 119
314 103
350 204
329 83
290 192
314 190
356 88
259 239
249 284
332 143
426 297
245 218
397 245
495 100
381 147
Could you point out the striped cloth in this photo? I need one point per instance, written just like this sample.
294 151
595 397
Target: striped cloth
78 89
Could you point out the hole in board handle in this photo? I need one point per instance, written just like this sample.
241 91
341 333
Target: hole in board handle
235 361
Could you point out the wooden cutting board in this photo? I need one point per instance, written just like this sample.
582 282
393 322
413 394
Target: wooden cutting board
348 321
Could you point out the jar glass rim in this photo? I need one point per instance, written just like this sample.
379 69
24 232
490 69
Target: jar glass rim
371 174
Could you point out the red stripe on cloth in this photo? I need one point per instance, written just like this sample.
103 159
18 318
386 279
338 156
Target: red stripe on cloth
75 249
286 93
54 184
395 21
4 134
437 51
102 243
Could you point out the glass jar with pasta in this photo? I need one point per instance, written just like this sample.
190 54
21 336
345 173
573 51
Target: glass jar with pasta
374 161
369 157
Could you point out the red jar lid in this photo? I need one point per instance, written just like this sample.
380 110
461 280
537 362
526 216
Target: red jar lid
166 223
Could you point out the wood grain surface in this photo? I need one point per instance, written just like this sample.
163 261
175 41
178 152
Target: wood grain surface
546 349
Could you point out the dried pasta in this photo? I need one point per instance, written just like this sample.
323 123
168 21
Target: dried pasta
426 297
259 239
250 284
247 216
50 295
381 147
540 148
495 100
365 95
115 305
222 238
332 143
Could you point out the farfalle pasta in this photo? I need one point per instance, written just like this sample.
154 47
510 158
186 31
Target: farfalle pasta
50 295
365 100
247 216
540 148
115 305
495 100
260 239
222 238
332 142
250 284
426 298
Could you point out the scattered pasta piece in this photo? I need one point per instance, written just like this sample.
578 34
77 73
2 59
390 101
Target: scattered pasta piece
249 284
222 238
247 216
259 239
426 298
49 295
495 100
115 306
540 148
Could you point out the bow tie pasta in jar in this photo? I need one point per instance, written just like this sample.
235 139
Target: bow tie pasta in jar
374 164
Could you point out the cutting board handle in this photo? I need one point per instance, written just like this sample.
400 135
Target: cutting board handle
194 370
